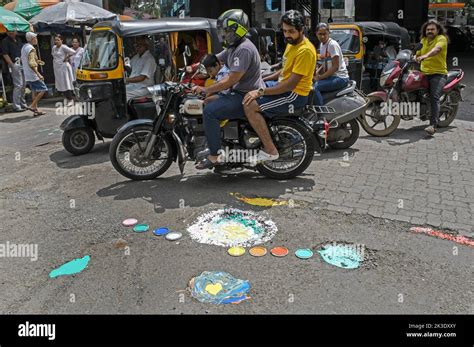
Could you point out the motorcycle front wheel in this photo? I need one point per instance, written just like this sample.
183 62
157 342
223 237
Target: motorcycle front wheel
127 154
296 146
377 124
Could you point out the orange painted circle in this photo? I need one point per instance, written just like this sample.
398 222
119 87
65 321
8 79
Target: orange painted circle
279 251
258 251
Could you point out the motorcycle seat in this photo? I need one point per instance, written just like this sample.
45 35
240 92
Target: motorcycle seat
349 88
296 112
453 74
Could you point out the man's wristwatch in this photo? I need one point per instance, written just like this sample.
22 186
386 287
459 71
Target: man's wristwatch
261 92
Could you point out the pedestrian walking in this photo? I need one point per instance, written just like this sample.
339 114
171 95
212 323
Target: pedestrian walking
30 63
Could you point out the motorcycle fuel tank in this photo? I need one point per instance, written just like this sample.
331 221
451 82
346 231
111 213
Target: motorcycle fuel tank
414 80
193 106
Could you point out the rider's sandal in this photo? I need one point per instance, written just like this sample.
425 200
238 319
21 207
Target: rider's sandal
206 164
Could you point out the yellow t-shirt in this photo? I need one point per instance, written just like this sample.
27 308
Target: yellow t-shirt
301 60
436 64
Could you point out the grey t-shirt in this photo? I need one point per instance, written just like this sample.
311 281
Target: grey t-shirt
244 57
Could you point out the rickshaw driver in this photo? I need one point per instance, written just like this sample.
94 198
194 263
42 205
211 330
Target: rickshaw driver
243 60
143 70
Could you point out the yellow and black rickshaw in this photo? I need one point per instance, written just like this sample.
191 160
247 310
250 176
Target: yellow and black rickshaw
359 41
101 77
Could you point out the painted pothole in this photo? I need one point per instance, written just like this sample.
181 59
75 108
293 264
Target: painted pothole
347 255
232 227
217 287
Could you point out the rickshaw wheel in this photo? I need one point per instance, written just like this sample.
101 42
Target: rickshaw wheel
376 118
78 141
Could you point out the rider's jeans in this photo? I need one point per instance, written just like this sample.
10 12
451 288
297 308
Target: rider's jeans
327 85
227 106
437 83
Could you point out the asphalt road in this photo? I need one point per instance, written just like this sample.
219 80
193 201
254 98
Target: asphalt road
73 206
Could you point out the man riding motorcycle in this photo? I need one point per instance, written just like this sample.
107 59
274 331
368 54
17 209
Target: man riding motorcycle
243 60
432 57
291 91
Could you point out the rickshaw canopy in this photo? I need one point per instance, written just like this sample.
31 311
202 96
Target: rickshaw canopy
390 29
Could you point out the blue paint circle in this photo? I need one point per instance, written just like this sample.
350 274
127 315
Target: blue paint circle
161 231
141 228
304 253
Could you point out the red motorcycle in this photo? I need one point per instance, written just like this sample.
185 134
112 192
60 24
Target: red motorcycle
406 96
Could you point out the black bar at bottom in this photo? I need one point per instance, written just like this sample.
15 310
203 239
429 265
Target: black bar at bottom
455 330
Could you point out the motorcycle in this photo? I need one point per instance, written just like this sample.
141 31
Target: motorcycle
144 149
406 96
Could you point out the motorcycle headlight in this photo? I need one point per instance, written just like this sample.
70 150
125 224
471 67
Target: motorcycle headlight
157 92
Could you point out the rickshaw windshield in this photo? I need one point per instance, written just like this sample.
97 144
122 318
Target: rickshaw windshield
348 39
101 51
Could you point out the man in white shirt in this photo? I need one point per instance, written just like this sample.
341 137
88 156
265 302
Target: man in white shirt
143 70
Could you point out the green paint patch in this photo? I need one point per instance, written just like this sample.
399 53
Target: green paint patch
70 268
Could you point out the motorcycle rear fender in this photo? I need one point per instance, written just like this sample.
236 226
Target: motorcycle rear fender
302 121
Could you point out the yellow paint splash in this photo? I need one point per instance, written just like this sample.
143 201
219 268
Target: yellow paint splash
213 289
235 231
259 201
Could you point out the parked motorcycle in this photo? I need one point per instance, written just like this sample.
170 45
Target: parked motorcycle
144 149
341 112
406 96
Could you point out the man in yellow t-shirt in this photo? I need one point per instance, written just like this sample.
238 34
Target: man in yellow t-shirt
432 57
295 80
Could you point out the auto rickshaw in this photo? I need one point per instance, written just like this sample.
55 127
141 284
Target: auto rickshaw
359 41
100 84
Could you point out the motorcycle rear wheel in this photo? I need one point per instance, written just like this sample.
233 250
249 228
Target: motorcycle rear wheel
349 141
303 142
452 99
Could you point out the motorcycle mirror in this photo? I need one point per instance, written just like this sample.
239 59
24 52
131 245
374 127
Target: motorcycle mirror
187 50
418 46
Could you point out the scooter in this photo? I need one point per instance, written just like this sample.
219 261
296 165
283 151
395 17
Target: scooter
341 113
